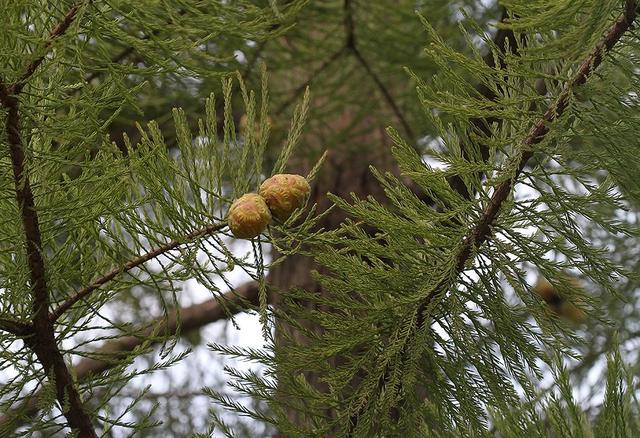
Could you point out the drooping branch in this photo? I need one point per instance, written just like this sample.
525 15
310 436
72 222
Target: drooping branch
241 299
131 264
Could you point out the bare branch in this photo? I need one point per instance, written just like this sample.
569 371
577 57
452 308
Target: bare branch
131 264
18 328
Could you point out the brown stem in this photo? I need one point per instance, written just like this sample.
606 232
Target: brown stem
43 343
18 328
131 264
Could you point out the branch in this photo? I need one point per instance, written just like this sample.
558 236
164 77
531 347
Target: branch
115 60
352 46
481 232
57 32
298 91
43 342
131 264
503 39
18 328
129 50
194 317
385 93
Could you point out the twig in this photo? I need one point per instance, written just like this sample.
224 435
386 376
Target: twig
115 60
131 264
128 50
241 299
57 32
298 91
352 46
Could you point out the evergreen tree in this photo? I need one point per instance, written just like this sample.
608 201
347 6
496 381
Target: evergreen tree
465 272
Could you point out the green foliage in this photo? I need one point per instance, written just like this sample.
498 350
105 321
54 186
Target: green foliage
104 202
418 334
427 322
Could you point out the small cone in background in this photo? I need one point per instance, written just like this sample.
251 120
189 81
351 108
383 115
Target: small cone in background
557 303
248 216
284 193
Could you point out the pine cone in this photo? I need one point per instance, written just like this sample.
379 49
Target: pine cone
284 193
248 216
557 303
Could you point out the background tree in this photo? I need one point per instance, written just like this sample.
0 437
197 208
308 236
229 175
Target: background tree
108 65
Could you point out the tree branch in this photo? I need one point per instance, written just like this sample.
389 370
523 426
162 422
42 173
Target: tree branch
481 232
129 50
298 91
503 39
18 328
43 342
243 298
131 264
57 32
386 94
352 46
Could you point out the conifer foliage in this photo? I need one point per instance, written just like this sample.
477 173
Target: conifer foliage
428 325
452 305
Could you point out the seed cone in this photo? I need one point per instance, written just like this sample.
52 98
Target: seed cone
284 193
248 216
559 304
